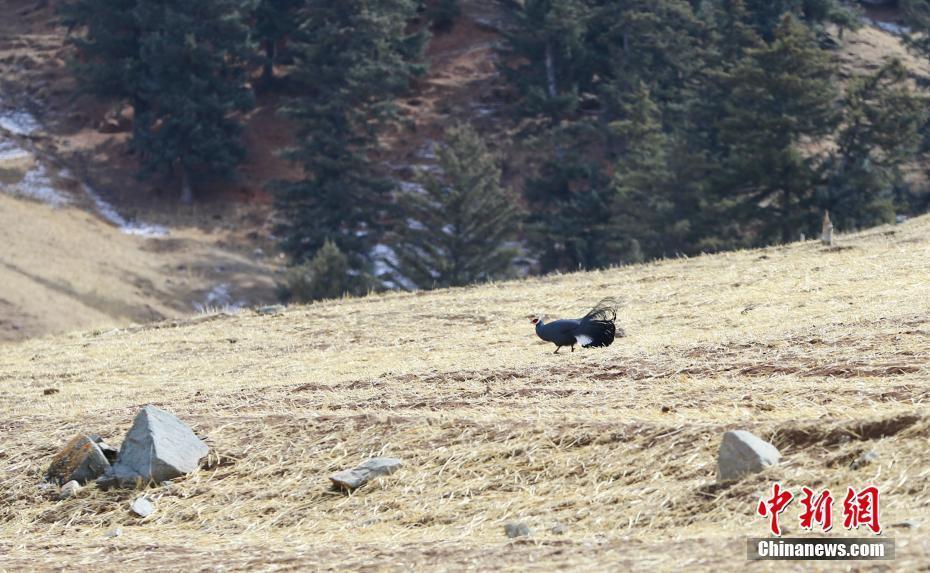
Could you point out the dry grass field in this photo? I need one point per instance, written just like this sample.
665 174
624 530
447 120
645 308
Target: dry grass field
822 351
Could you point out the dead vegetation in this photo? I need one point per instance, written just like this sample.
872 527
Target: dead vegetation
617 446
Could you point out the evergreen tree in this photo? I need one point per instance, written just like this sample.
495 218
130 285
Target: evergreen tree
107 36
765 15
880 132
327 275
654 207
444 13
454 232
659 43
549 40
354 57
570 224
782 95
183 67
274 21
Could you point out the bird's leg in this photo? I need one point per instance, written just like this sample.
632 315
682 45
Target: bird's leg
573 347
557 348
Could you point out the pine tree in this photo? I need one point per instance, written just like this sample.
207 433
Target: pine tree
327 275
444 14
653 209
570 219
659 43
765 15
880 132
549 39
455 230
183 67
782 95
107 36
354 58
274 21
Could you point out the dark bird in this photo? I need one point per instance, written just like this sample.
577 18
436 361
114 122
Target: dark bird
594 330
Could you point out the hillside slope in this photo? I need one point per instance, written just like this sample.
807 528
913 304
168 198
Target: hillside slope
65 268
826 352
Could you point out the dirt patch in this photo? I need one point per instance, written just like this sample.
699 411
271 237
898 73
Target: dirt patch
796 437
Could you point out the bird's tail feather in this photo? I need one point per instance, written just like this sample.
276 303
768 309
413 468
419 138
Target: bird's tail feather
606 310
598 325
597 333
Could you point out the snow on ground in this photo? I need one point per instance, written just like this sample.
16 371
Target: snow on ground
890 27
38 185
220 297
383 257
411 187
18 122
9 151
108 212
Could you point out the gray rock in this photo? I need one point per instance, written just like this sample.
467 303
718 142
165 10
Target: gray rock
81 460
864 459
270 309
158 447
114 532
557 529
142 507
109 451
742 453
375 467
70 489
516 529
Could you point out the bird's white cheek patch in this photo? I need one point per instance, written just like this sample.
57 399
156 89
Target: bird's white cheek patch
583 340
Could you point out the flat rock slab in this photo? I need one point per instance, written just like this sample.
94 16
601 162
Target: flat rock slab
359 476
743 453
158 447
81 460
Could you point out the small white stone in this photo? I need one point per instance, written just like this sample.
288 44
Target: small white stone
70 489
142 507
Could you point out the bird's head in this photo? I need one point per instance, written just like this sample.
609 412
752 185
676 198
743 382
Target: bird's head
536 319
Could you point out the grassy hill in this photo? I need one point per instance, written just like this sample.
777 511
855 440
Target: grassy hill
66 268
822 351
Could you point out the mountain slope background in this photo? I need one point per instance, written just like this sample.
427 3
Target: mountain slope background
67 267
608 455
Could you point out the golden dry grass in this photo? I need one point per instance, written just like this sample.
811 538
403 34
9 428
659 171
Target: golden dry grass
66 269
825 352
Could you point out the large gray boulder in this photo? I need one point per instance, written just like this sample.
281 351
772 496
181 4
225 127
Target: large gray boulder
375 467
81 460
158 447
743 453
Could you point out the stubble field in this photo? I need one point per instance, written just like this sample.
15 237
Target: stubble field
608 455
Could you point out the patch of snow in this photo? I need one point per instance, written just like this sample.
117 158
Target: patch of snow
10 151
415 225
890 27
19 122
485 111
220 297
108 212
37 184
383 257
411 187
428 151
